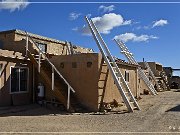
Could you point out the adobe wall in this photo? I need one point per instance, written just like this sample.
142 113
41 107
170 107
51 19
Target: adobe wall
52 48
17 42
156 68
6 98
82 78
107 89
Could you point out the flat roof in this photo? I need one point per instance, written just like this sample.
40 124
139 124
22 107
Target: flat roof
21 32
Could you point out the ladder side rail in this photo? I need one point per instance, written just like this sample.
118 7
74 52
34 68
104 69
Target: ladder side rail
127 50
68 47
124 46
71 48
146 80
130 59
150 71
148 83
114 63
125 99
141 73
103 43
52 65
152 74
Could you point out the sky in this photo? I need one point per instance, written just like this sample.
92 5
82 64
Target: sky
150 30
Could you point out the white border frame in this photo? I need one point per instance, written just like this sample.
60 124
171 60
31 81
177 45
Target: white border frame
20 92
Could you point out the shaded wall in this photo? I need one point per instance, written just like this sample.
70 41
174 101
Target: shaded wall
6 98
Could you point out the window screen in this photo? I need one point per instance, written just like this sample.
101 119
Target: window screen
19 79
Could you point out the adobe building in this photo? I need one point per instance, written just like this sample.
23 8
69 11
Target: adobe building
169 74
84 70
159 73
174 81
143 88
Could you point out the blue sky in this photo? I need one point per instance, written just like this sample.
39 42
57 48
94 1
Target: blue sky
151 31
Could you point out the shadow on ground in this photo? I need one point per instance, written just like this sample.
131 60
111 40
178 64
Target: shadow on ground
37 110
174 109
178 90
29 110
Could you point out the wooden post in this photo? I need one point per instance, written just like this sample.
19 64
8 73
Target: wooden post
39 62
27 44
33 81
68 100
52 78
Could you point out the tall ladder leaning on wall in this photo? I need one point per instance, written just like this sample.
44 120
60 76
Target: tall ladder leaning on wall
41 55
152 75
131 59
69 46
119 80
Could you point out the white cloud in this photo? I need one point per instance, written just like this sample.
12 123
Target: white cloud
12 5
74 16
127 22
106 8
159 23
143 27
75 29
88 15
133 37
105 23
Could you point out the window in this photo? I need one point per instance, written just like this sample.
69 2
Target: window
74 65
89 64
42 47
126 76
1 44
19 79
62 65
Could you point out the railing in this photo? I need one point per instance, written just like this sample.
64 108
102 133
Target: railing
41 53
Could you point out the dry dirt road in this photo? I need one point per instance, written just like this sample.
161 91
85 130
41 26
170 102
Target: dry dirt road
159 114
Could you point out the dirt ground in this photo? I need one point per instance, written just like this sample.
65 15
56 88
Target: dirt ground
159 114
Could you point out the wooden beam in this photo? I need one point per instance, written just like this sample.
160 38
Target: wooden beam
68 99
52 78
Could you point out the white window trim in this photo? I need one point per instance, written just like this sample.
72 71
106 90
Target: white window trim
20 92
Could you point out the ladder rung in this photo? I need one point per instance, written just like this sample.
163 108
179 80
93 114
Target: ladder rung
135 108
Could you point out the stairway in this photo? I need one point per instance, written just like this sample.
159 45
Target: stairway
45 73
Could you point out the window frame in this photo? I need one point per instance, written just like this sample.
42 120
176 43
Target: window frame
127 76
39 43
19 92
